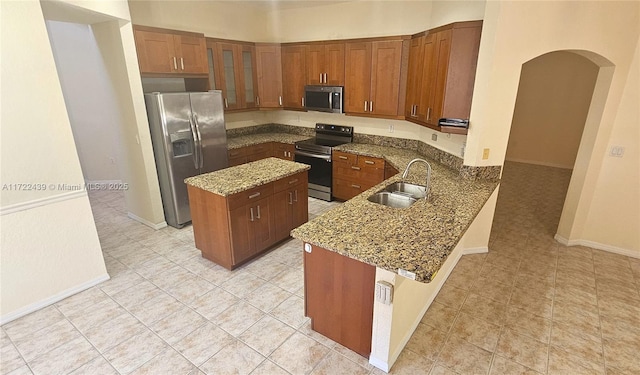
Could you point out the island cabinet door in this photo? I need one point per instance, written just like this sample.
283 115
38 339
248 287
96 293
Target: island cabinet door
338 297
263 224
243 242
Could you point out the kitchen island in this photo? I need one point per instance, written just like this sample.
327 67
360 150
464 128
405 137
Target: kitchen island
413 249
239 212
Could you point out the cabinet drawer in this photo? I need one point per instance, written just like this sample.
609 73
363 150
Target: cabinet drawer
249 196
358 174
346 189
370 162
260 148
259 156
237 160
285 183
238 152
340 157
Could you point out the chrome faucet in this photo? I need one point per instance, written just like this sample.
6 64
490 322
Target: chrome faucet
406 172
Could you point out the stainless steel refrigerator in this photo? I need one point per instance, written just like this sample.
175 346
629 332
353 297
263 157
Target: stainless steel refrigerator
189 138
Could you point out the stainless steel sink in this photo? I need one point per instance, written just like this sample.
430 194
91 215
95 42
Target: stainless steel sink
411 190
392 199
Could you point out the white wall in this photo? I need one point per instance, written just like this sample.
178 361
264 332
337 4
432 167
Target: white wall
613 220
89 104
49 244
237 20
554 95
516 32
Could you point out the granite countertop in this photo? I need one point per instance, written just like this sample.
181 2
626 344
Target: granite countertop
254 139
417 239
246 176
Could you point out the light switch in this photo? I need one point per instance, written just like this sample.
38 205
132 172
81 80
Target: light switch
485 154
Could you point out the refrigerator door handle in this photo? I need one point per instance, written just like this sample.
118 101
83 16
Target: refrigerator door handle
196 147
200 156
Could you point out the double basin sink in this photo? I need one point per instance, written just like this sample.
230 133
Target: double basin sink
399 195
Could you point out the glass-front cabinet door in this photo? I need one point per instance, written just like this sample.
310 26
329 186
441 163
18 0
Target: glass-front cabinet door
249 75
232 69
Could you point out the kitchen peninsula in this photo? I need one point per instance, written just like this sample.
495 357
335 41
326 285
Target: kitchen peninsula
239 212
413 249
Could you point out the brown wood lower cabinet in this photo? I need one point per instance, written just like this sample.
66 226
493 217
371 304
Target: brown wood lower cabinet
338 297
353 174
233 229
283 150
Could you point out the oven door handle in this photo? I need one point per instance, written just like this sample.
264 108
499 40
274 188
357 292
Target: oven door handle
316 156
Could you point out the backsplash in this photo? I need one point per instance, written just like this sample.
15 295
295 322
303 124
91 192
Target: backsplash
443 157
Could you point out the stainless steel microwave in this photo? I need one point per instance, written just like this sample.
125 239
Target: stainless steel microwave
324 98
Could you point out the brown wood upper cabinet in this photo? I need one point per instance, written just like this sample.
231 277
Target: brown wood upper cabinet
442 68
325 64
372 77
269 71
162 51
234 66
294 65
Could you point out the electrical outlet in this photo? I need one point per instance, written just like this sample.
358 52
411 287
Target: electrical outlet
434 137
485 154
390 128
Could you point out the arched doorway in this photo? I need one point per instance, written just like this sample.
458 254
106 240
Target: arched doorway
554 125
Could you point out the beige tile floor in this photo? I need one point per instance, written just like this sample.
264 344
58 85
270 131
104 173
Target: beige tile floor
529 306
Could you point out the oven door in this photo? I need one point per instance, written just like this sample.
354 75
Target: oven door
319 174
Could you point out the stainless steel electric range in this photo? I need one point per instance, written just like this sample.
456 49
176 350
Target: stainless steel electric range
317 153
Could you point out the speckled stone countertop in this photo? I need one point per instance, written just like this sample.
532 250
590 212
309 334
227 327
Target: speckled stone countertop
246 176
254 139
416 239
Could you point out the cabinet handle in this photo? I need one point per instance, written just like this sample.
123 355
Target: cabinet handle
369 162
285 153
356 168
258 216
280 100
293 181
371 106
295 192
365 105
343 157
429 113
226 103
175 63
355 186
254 195
320 77
251 209
257 100
182 63
325 78
303 101
290 198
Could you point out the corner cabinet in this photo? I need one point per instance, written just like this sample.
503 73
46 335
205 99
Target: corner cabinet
170 52
373 78
269 72
294 65
353 174
442 69
234 67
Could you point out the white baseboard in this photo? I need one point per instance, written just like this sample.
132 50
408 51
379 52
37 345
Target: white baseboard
103 181
599 246
147 222
378 363
542 163
475 250
51 300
